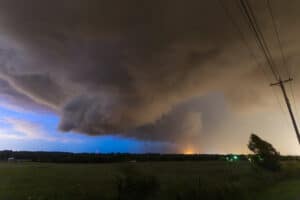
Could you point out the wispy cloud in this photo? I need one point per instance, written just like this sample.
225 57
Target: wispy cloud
25 130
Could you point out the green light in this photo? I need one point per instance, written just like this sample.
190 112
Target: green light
232 158
260 158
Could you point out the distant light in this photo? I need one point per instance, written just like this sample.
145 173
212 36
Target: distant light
232 158
188 152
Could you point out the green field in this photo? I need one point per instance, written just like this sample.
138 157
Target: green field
173 180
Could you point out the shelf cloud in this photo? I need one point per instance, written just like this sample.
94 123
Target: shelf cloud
152 70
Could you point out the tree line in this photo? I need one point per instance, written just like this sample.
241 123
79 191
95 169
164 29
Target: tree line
66 157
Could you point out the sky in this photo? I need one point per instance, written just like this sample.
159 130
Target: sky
36 132
145 76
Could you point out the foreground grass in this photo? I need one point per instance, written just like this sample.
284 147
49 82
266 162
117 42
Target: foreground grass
287 190
176 180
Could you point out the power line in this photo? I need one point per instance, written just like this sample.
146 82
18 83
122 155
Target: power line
278 38
265 73
246 8
244 41
243 38
284 62
281 84
252 22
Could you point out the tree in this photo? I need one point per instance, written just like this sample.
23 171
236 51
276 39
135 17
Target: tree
265 155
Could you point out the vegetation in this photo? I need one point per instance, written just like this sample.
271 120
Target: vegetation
195 180
133 184
65 157
146 176
265 155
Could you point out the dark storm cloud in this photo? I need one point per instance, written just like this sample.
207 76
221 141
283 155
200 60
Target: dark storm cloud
187 121
12 99
126 67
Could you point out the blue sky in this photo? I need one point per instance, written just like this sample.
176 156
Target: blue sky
37 131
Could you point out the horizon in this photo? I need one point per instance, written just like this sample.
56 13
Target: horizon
144 153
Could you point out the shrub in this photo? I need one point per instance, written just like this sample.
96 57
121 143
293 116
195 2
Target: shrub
265 155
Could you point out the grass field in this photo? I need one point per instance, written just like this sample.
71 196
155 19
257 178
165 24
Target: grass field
173 180
288 190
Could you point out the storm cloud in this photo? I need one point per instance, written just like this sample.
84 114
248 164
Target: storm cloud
152 70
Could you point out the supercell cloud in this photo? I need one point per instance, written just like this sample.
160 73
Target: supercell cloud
152 70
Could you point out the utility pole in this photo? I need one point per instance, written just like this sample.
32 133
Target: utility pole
287 101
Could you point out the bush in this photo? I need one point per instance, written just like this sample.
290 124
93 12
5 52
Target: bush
265 155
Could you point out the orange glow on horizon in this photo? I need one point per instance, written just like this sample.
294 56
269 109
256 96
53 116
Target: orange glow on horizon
189 151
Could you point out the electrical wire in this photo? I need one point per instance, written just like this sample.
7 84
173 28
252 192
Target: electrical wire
244 41
278 39
284 62
252 22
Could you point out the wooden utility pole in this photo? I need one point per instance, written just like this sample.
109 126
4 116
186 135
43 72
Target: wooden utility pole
287 101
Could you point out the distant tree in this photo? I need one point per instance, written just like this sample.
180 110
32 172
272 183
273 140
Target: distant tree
265 155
